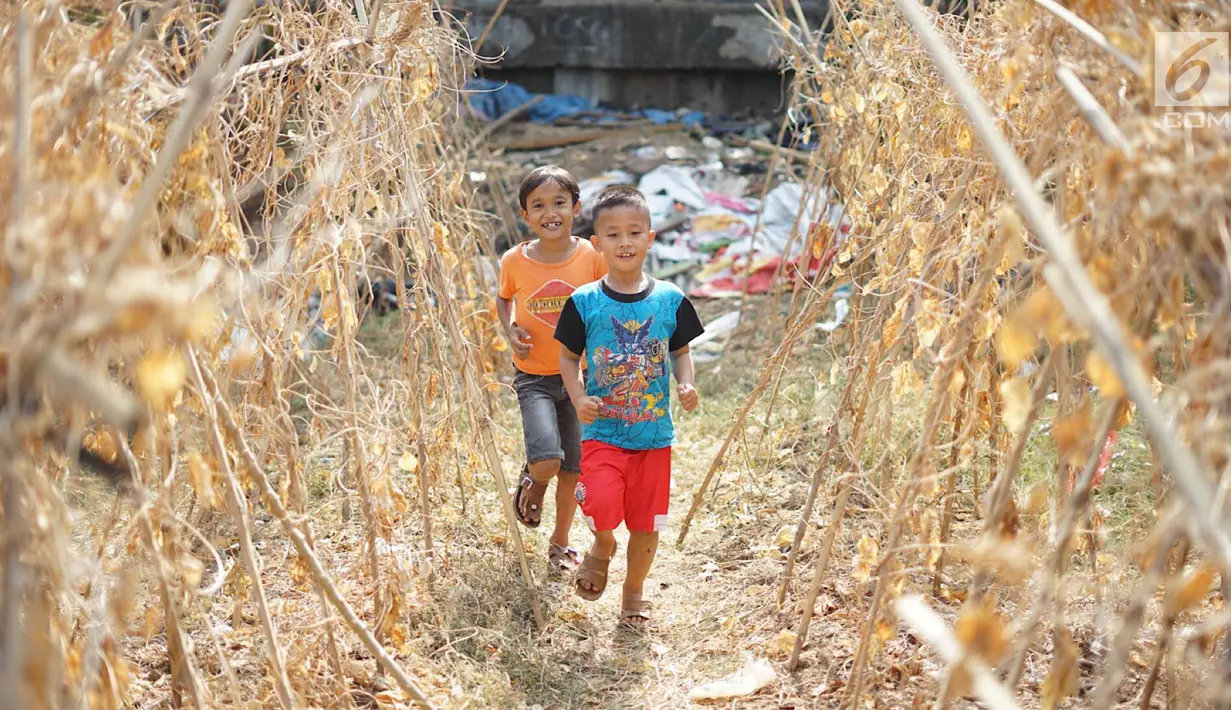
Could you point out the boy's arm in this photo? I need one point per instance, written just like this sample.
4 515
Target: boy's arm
681 365
571 332
687 328
685 375
518 337
570 371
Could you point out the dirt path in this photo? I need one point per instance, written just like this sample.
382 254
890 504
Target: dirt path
713 597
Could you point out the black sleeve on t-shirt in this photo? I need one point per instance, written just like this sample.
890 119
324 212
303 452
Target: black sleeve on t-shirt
571 329
687 326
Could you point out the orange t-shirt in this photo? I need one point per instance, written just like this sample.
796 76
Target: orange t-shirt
538 292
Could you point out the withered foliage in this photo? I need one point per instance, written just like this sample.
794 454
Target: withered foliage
989 430
193 212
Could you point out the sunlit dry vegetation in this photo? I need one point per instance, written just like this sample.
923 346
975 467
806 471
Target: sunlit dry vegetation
229 481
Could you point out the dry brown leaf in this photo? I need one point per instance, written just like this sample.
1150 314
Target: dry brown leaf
982 633
192 569
781 645
785 537
1010 559
1191 590
243 356
102 444
1010 519
1103 376
1012 231
867 557
885 631
1043 312
929 322
957 382
202 480
1015 400
1014 343
905 379
1074 434
408 462
159 377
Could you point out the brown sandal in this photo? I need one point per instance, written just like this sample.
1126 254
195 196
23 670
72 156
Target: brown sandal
635 612
593 569
563 558
524 486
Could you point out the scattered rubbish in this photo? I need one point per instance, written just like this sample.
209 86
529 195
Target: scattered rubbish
478 176
841 309
671 252
493 99
591 187
715 237
724 324
675 152
755 675
708 347
675 182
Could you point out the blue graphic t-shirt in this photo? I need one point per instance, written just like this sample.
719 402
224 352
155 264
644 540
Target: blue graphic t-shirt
628 339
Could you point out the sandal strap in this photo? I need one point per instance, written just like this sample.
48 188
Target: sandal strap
594 565
636 607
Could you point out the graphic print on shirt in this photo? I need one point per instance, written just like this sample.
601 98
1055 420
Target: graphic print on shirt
547 302
628 369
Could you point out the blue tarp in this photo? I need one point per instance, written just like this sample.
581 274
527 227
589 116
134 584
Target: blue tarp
493 99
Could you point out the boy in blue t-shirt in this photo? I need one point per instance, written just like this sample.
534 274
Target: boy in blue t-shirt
634 331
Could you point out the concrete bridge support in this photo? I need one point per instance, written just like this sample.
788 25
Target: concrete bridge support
713 55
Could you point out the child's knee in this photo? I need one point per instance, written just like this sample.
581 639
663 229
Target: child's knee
544 470
642 539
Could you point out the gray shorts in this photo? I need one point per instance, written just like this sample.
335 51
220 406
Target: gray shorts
548 420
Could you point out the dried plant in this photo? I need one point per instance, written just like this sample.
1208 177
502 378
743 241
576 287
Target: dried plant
194 206
1041 272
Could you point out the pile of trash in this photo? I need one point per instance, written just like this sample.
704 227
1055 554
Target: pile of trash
713 239
717 237
493 99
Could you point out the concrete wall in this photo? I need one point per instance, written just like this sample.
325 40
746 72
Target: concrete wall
714 55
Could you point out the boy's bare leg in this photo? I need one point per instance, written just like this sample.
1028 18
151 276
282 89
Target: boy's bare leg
566 506
541 472
544 471
641 549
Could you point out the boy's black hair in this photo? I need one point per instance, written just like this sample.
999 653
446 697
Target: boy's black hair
548 173
620 196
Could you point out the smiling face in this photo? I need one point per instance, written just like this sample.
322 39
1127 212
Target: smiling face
622 233
550 211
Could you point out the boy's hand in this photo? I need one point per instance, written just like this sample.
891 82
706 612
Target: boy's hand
519 339
689 397
587 409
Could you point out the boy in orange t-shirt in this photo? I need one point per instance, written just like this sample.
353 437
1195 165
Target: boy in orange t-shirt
536 279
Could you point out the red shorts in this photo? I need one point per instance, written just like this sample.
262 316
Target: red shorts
624 486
